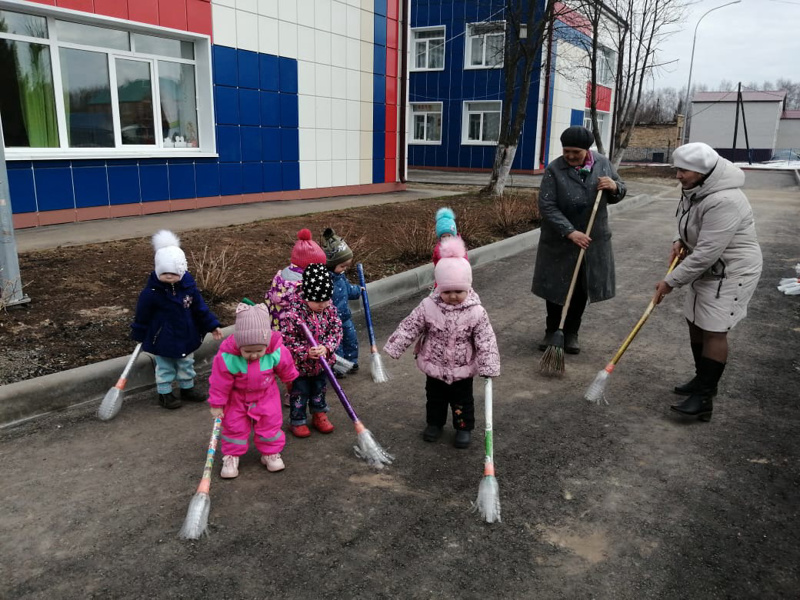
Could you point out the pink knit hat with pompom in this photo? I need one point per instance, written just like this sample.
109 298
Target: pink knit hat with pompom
252 326
306 251
453 272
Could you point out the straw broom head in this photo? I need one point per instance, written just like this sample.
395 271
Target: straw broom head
552 362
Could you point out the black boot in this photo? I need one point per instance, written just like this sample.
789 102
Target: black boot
191 395
547 340
170 400
700 403
432 433
690 386
571 345
462 439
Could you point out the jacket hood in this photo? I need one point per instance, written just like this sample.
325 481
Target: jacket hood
229 344
471 300
292 273
725 176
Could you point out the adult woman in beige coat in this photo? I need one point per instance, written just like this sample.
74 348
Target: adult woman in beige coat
722 265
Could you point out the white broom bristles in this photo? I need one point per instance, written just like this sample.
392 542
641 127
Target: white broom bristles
196 522
111 404
342 366
379 373
596 391
488 502
371 451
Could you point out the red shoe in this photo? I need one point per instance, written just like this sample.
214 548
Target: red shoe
321 423
300 431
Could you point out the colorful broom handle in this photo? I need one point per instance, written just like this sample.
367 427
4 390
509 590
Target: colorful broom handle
329 372
489 437
647 312
578 264
367 313
205 481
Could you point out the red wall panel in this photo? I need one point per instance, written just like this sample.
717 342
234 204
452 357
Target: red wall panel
198 13
172 13
603 97
84 5
112 8
144 11
48 2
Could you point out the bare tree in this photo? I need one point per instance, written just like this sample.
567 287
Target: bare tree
527 30
649 23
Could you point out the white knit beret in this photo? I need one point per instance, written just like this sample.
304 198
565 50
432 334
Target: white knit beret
169 256
696 156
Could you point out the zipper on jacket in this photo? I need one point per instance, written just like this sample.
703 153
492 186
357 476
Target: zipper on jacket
155 337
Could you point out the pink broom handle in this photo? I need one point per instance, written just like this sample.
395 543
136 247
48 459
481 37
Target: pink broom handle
329 372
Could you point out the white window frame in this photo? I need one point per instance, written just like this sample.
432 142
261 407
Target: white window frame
414 113
413 61
469 41
465 113
207 145
601 121
605 66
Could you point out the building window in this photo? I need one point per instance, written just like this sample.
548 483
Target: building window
79 87
605 66
601 122
481 123
427 123
485 45
428 49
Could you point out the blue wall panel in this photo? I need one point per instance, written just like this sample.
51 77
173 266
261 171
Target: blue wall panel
54 187
123 184
21 187
91 186
181 181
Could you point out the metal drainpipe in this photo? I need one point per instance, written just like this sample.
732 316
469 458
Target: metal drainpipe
401 166
9 261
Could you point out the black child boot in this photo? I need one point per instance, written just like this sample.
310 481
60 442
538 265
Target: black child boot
700 403
687 388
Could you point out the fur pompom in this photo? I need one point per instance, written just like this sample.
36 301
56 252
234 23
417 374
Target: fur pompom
445 213
164 239
304 234
452 248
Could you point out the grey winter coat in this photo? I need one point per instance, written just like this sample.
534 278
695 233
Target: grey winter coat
715 224
565 203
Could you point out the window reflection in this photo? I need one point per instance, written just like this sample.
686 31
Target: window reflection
87 98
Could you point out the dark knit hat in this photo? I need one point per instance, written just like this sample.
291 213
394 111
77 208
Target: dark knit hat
336 249
306 250
317 284
577 137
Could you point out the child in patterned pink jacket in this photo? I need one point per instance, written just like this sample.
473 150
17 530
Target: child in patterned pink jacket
286 281
244 391
312 307
455 342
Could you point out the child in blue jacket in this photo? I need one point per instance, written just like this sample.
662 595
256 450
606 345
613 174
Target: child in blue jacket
171 321
339 259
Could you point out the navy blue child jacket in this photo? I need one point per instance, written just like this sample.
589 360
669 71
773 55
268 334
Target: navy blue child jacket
172 319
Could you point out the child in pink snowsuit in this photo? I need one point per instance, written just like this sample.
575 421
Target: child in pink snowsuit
243 389
286 281
455 342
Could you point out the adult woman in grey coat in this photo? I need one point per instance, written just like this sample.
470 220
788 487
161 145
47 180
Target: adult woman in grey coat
566 198
716 231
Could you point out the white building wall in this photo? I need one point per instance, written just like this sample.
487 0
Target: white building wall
788 135
713 123
332 41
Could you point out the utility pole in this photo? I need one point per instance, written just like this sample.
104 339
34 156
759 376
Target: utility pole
10 281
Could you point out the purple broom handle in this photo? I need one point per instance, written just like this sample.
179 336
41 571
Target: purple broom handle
367 312
329 372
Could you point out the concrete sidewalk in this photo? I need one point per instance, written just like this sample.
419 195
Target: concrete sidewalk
91 232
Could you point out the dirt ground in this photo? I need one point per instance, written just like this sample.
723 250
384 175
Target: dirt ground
620 502
84 297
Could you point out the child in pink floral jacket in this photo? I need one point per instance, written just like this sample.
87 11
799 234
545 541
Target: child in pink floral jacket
457 342
312 307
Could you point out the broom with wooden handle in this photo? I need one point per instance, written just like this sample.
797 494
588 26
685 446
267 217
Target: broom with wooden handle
112 402
368 447
552 362
196 522
596 391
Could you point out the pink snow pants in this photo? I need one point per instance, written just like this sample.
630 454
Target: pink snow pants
238 421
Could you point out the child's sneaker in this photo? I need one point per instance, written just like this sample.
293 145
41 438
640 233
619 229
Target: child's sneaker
273 462
230 467
462 439
431 433
321 423
191 395
301 431
170 400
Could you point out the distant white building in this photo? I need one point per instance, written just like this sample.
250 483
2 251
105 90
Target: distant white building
714 122
789 131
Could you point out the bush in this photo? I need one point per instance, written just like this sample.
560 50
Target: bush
410 240
215 272
513 210
472 227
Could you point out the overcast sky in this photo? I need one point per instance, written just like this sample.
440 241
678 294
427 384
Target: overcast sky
755 40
